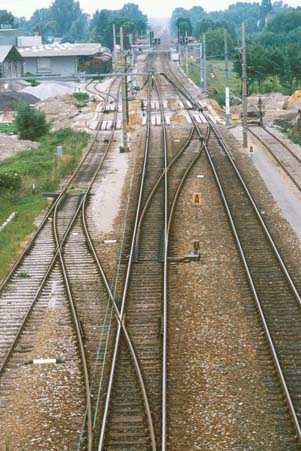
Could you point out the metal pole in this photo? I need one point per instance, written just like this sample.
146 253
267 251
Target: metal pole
186 61
132 70
114 47
260 110
244 87
124 103
201 69
204 62
227 86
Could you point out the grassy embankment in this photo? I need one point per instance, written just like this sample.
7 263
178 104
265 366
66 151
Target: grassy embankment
215 78
8 127
43 167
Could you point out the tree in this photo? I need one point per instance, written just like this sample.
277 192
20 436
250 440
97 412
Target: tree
78 31
176 14
285 21
101 27
215 43
130 17
268 39
42 22
184 26
195 14
30 122
65 13
6 18
265 8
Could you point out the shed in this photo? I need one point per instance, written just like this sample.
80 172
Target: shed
57 59
11 62
8 36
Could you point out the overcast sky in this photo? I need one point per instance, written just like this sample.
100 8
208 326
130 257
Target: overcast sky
153 8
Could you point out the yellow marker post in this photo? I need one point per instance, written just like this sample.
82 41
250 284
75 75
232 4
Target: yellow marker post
196 199
251 151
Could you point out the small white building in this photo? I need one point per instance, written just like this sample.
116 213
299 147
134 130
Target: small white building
58 59
29 41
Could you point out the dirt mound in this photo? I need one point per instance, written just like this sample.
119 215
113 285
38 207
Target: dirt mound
8 100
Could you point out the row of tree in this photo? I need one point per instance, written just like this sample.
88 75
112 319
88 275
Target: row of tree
273 54
273 40
65 19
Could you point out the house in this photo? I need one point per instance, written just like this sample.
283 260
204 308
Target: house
59 59
11 62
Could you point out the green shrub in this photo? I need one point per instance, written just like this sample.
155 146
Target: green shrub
10 180
82 96
30 122
33 81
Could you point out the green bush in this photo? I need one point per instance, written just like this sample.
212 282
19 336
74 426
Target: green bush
10 180
82 96
30 122
33 81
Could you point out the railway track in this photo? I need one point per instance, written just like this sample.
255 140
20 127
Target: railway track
288 158
276 296
131 422
118 369
63 229
128 415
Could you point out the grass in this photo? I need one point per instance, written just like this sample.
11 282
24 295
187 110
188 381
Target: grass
6 127
290 133
215 78
82 96
43 167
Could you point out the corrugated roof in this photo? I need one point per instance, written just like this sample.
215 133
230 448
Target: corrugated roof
61 50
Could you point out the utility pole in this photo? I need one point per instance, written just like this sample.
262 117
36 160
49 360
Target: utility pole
114 47
124 95
132 70
260 110
227 87
204 62
244 87
201 69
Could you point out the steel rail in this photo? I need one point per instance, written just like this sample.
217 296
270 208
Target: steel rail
51 209
58 253
249 276
254 291
258 214
283 144
286 170
121 324
155 187
123 303
119 319
75 318
183 179
165 277
118 316
252 285
77 328
102 94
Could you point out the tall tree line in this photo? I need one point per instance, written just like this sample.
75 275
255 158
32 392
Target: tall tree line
65 19
273 40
